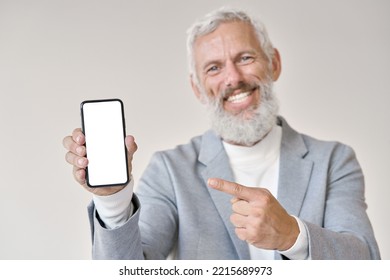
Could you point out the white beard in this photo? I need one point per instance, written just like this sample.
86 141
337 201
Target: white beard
240 129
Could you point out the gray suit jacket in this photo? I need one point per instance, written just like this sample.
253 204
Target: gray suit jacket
320 182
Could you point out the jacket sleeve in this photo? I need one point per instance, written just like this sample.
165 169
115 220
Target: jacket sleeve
151 232
346 232
120 243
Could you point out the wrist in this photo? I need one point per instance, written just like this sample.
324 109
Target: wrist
115 209
291 235
106 191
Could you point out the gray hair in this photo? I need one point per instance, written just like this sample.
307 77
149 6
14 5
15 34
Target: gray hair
210 23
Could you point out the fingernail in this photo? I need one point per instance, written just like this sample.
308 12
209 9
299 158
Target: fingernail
79 150
212 182
81 161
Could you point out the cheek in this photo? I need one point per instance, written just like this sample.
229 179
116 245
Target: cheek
261 72
212 86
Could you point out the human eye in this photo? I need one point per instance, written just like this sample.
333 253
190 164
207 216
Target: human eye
212 69
246 59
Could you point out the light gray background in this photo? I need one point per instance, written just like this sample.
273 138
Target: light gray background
54 54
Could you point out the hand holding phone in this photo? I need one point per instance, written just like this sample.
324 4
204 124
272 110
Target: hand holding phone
103 124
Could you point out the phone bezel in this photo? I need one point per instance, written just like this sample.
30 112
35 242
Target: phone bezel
124 145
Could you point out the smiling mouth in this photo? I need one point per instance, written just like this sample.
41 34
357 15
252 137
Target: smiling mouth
239 97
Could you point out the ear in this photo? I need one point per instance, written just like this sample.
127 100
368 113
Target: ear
276 65
196 90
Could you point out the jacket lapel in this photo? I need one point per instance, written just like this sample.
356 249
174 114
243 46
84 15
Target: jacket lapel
294 176
213 156
294 171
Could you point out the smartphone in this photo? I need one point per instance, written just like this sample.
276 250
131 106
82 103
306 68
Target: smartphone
103 124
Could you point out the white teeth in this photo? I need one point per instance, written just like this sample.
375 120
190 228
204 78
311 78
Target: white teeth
238 97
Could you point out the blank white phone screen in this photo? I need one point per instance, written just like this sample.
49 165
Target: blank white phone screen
103 124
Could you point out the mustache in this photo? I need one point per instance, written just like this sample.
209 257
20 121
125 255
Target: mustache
243 87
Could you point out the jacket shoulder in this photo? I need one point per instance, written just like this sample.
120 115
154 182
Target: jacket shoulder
310 146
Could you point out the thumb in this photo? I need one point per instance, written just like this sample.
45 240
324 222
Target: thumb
131 146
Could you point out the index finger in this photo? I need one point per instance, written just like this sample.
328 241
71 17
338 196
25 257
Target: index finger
232 188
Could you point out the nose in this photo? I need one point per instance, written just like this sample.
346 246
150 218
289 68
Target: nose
233 75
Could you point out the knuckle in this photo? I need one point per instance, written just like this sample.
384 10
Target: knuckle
254 225
75 160
65 141
79 175
241 234
69 157
251 234
76 131
267 197
263 196
258 212
76 174
234 207
237 188
73 147
238 205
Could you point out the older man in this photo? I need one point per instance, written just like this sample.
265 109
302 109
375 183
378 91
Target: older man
249 188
